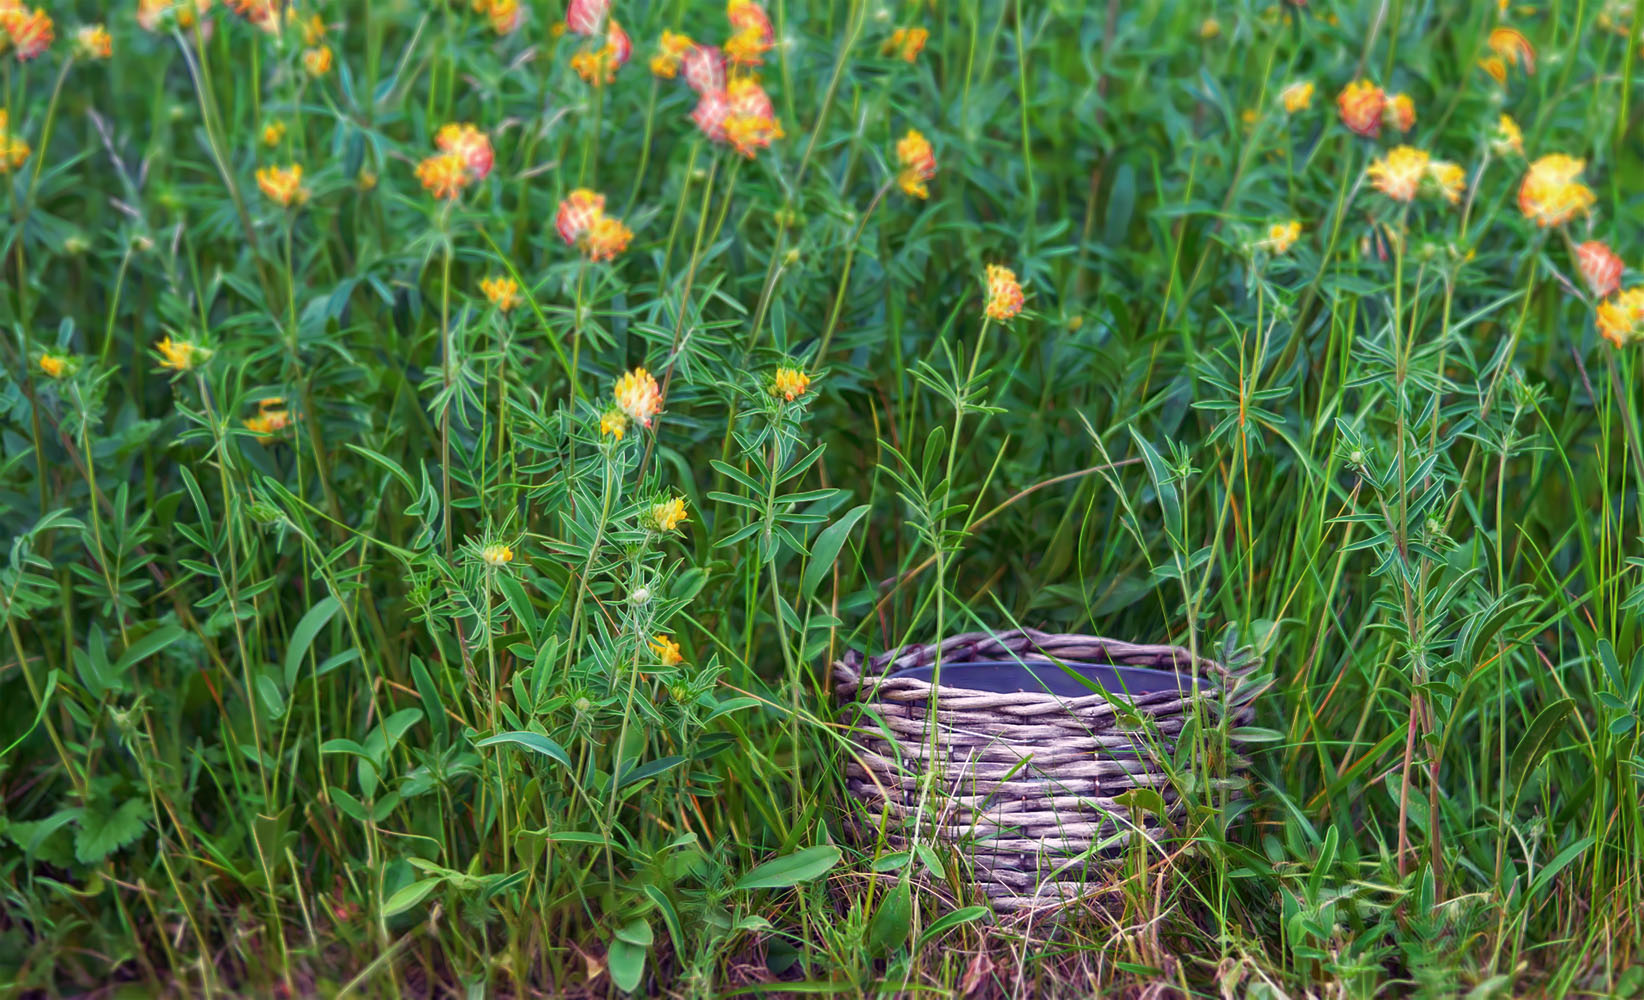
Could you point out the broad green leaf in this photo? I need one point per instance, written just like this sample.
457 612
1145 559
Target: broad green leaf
792 869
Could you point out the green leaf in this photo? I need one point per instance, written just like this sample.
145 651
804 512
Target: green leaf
892 921
1558 864
407 896
825 550
303 636
102 831
627 964
948 921
1536 740
530 741
148 645
792 869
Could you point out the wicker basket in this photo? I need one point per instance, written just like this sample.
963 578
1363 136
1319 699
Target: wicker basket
1027 779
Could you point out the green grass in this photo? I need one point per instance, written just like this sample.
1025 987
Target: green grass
254 687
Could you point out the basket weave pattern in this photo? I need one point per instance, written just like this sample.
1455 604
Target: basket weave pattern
1025 781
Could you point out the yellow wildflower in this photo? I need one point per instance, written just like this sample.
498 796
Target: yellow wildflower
273 132
1400 112
283 185
639 396
53 365
1398 175
1281 236
670 52
92 41
1004 293
607 237
1450 178
501 291
1507 138
613 424
1552 193
790 383
1297 97
180 355
497 554
1512 49
666 650
918 163
907 43
1621 320
317 61
444 174
666 515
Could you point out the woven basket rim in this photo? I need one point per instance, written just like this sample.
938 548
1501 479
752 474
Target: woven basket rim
867 677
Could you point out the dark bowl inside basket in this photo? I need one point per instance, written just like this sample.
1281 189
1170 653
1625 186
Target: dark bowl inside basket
1067 680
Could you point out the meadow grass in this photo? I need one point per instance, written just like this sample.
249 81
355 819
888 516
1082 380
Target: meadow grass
353 640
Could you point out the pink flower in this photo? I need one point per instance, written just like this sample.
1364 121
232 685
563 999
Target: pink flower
1600 267
705 69
577 214
583 17
710 114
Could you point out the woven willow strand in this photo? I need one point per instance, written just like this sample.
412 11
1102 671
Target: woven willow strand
1026 782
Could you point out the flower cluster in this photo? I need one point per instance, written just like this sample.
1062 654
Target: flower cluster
465 158
283 185
92 41
1508 49
1551 193
638 398
1620 316
180 355
790 383
505 15
590 18
918 163
906 43
1004 293
502 292
581 222
1365 108
270 419
28 32
732 106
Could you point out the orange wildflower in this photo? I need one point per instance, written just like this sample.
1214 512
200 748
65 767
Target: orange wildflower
1621 319
1400 112
1281 236
31 31
907 43
469 143
317 61
506 16
1513 49
501 291
1361 104
918 163
444 174
577 214
607 237
283 185
1004 293
750 123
